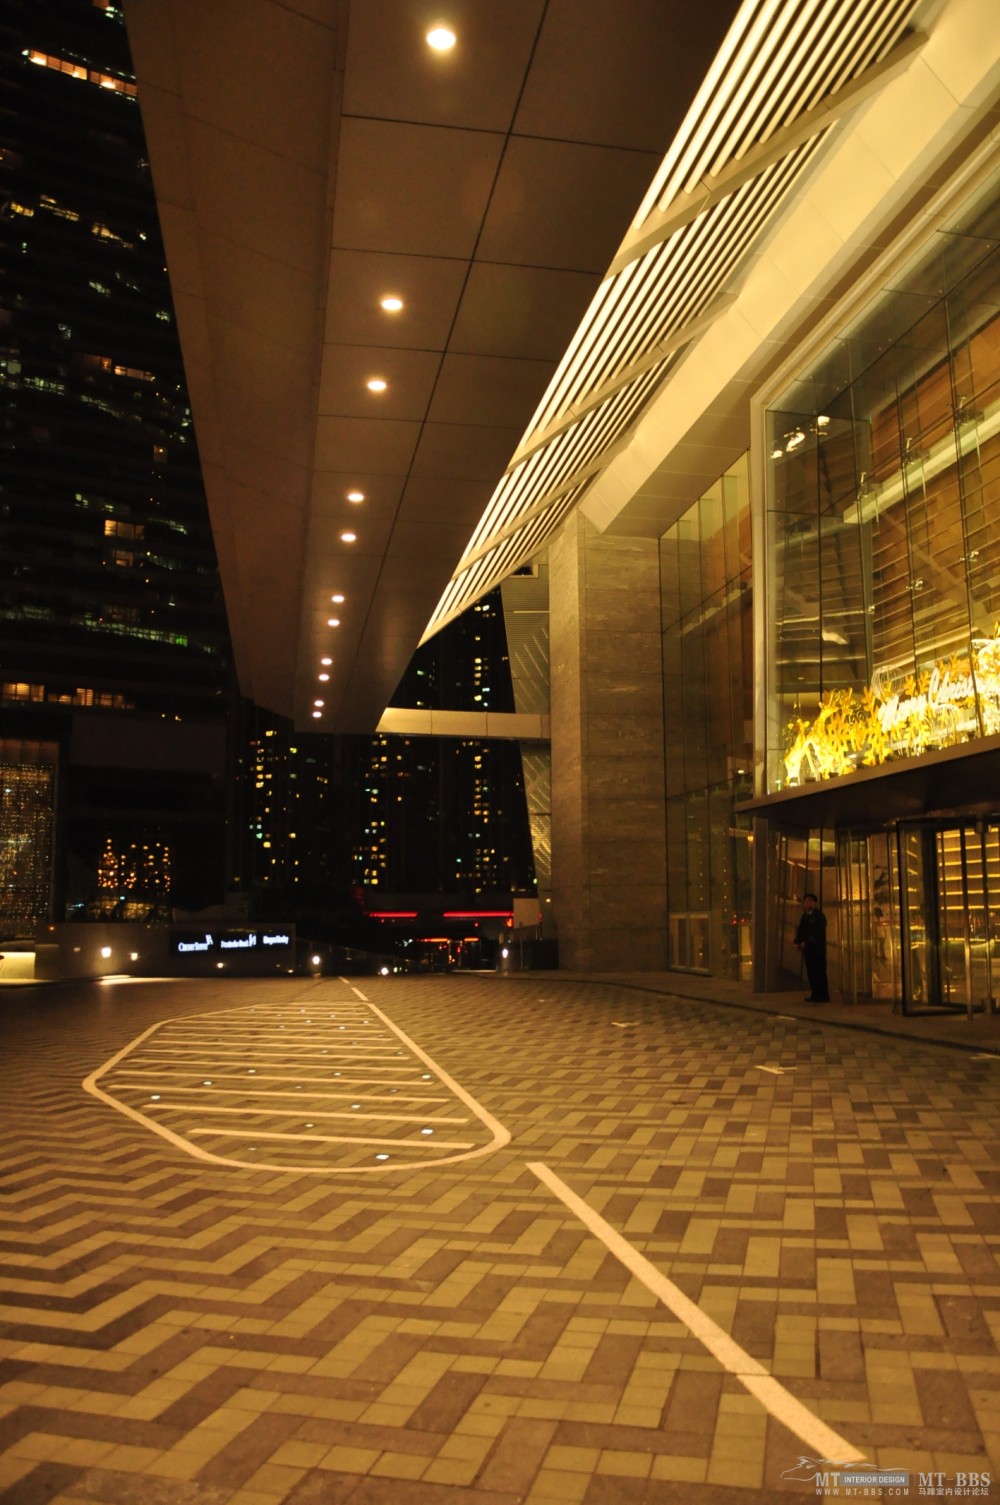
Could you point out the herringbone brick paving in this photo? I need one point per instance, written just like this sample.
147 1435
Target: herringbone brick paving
184 1333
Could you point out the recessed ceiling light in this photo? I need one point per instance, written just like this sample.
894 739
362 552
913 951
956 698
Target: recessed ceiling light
348 537
326 660
317 715
441 38
355 496
391 303
317 702
337 599
376 384
333 621
323 678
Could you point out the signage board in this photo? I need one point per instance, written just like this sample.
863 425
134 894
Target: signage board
212 942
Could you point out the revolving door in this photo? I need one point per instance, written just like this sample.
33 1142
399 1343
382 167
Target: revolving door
919 915
949 885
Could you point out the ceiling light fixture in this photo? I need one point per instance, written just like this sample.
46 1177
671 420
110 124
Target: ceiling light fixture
348 537
333 621
391 303
318 702
355 496
337 599
376 384
326 660
323 678
317 715
441 38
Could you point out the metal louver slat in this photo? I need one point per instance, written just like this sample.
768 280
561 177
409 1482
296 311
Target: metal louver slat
595 432
778 69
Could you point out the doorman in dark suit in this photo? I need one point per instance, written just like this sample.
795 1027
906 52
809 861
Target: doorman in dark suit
810 937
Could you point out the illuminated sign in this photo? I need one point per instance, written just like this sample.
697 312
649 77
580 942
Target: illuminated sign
954 701
182 946
201 943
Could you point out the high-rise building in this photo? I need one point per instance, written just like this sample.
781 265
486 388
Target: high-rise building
289 851
447 814
116 676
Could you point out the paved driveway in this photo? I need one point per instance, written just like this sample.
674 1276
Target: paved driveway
660 1251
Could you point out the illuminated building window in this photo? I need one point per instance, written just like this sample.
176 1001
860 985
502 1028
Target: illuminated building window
104 232
27 823
76 70
115 529
54 207
136 869
19 691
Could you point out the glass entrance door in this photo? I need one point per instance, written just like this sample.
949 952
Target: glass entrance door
868 914
949 881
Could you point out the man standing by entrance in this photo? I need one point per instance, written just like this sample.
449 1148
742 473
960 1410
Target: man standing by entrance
810 937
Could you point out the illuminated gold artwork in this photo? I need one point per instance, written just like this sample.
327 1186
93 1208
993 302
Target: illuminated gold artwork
953 701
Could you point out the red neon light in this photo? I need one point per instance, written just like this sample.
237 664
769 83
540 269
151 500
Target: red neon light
477 914
392 914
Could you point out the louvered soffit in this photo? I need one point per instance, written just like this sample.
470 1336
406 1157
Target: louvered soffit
788 71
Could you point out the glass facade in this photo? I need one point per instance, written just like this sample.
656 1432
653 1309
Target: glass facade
882 584
111 612
884 526
707 623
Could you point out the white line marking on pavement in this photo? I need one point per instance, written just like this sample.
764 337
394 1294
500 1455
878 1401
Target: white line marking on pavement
773 1396
775 1070
269 1112
268 1047
424 1144
324 1097
501 1136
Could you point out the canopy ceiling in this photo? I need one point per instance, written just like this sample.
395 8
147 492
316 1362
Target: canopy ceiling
311 157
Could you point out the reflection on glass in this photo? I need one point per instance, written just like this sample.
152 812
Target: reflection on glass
883 515
708 698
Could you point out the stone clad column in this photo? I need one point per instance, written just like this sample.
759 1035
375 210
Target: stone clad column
608 817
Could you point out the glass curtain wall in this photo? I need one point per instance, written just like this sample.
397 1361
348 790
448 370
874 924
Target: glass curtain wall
707 628
884 527
882 577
